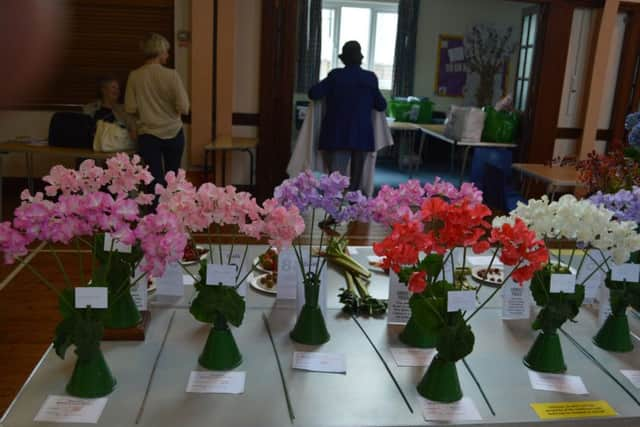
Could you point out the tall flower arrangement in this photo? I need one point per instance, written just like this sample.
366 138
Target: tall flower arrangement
328 194
623 291
81 207
440 227
209 206
588 226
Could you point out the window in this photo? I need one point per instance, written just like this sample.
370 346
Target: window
372 24
525 58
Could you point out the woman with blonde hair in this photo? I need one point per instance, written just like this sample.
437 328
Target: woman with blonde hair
156 95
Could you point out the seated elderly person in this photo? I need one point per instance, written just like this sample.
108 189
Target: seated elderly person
107 108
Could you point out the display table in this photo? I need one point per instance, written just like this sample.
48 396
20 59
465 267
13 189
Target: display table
152 375
554 176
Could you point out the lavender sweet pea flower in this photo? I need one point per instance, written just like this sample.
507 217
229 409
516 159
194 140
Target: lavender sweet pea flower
632 120
624 204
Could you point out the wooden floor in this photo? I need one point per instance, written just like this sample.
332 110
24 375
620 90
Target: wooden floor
29 312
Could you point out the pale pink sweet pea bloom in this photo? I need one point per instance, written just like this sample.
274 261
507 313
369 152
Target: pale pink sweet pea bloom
13 244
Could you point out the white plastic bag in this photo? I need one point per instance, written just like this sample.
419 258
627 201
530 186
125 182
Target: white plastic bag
110 137
464 123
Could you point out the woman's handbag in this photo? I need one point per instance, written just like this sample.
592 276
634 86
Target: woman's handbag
110 137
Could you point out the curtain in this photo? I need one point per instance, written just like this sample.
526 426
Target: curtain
405 55
309 43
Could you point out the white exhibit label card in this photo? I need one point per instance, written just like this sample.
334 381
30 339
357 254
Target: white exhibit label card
94 296
399 311
412 356
632 375
65 409
461 300
563 283
483 261
516 303
187 280
230 382
221 274
560 383
320 362
287 281
463 410
170 283
109 241
625 272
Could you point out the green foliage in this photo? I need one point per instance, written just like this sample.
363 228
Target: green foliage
622 295
557 308
455 340
80 327
432 264
217 300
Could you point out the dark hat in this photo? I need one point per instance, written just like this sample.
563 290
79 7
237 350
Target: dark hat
351 53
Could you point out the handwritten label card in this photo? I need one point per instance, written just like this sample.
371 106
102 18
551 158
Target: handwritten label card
231 382
320 362
287 282
117 245
461 300
412 356
625 272
633 376
221 273
563 283
516 303
463 410
96 297
560 383
170 283
398 311
65 409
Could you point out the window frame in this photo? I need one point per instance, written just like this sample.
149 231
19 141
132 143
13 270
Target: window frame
375 7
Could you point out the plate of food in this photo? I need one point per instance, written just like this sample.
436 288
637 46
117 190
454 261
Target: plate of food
267 262
265 282
490 276
193 254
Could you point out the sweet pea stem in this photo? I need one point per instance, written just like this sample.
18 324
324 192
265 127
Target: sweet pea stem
598 267
77 243
45 282
60 266
244 256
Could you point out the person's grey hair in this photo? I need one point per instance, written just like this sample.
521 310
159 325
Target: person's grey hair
154 45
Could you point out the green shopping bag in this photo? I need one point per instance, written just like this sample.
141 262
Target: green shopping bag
500 126
411 109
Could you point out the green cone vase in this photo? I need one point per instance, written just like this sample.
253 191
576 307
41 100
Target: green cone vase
91 377
413 335
614 334
310 328
440 383
545 355
123 313
220 352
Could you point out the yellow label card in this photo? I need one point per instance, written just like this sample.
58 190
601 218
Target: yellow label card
560 410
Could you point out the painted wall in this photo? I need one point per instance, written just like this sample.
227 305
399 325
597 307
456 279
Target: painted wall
456 17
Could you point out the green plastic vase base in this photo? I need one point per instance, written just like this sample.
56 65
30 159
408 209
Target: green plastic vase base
545 354
220 353
123 313
614 334
91 378
310 327
412 335
440 383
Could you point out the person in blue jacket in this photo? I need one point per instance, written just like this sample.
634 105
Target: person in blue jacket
351 94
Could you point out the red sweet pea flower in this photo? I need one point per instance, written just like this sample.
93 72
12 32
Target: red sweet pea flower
520 245
402 247
417 282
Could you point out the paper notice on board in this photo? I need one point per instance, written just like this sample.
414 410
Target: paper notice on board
398 310
456 54
65 409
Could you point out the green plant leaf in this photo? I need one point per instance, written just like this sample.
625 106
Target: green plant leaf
428 312
63 337
214 300
455 341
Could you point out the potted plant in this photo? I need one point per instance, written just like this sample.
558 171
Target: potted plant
441 227
217 301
